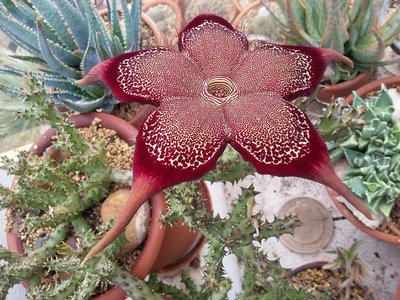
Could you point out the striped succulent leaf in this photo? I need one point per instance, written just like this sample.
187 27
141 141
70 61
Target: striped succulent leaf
351 30
66 38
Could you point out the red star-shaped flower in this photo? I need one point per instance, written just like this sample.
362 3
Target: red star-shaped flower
214 92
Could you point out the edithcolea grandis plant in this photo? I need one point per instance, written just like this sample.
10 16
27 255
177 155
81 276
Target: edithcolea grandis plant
213 92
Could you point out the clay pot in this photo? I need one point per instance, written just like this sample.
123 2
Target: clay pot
166 248
312 265
319 265
373 86
380 235
397 296
343 89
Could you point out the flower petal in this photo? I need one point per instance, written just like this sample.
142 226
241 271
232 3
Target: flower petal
291 71
147 76
213 45
180 141
280 140
276 139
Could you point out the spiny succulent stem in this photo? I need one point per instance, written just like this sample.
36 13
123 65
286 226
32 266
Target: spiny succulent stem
141 190
133 286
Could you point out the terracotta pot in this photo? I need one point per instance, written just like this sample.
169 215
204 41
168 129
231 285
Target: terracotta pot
343 89
167 248
373 86
380 235
318 265
397 296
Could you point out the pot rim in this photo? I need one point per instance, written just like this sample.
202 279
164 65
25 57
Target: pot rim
343 89
372 86
380 235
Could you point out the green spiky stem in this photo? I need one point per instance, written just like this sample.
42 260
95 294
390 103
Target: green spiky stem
222 291
133 287
61 291
95 189
42 109
230 167
49 247
18 268
236 234
165 289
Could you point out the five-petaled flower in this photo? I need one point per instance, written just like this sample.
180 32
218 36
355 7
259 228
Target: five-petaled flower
214 92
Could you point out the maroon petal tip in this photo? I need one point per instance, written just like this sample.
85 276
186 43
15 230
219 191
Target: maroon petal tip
141 191
332 55
207 17
94 75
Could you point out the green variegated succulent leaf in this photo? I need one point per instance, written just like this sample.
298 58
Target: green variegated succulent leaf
368 136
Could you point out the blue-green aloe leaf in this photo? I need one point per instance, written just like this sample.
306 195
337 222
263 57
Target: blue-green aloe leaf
19 11
90 57
48 13
116 31
57 65
101 38
106 102
22 35
76 22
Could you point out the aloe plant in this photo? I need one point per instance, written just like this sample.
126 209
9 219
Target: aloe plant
368 135
350 28
65 39
352 267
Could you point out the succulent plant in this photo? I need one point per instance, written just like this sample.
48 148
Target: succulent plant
48 189
61 197
349 27
351 266
368 135
10 102
54 256
235 234
221 93
65 39
16 268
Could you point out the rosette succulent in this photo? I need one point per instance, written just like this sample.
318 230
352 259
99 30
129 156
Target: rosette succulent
368 135
213 92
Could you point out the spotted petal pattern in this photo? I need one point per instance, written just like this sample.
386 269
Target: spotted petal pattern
278 139
213 45
147 76
180 141
213 92
291 71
